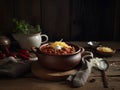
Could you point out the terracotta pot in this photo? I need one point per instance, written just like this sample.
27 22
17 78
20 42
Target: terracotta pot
60 62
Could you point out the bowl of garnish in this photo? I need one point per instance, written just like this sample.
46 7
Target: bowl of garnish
105 51
59 55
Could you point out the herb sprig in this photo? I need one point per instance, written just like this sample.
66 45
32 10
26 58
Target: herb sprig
21 26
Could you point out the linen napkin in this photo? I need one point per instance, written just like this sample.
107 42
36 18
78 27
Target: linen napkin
79 78
13 69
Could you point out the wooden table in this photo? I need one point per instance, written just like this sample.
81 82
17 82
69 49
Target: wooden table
94 82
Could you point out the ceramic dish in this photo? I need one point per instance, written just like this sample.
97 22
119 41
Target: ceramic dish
105 51
59 62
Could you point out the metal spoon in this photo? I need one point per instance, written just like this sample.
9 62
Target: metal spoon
101 65
103 68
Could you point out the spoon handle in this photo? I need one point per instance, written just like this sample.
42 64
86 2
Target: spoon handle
104 79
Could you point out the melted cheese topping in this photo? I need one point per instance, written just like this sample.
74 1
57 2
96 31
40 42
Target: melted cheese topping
61 44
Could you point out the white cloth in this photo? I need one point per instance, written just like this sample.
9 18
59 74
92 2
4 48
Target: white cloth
80 77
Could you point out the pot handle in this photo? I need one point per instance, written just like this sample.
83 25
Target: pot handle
87 54
46 38
82 50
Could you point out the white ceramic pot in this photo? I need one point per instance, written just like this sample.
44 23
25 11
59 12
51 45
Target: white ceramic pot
28 41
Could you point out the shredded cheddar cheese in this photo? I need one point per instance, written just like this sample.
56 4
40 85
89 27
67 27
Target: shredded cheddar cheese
104 49
61 44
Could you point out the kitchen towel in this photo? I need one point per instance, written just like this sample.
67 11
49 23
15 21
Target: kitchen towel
79 78
13 69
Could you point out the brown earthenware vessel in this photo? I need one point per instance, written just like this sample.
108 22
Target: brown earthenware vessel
59 62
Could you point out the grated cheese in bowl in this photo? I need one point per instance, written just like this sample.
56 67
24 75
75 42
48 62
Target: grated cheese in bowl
105 49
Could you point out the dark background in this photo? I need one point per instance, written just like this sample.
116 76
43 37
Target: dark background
70 20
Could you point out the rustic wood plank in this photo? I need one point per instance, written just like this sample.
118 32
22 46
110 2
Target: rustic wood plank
36 12
6 15
35 84
55 19
29 10
23 9
116 21
90 20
